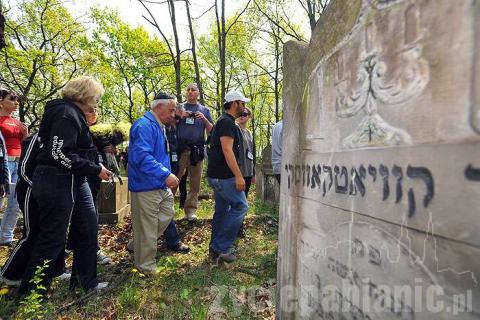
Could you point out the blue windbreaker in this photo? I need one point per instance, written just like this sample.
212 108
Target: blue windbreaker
148 159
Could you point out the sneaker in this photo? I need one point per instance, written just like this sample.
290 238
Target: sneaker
11 283
181 248
65 276
219 257
100 286
102 258
191 216
227 257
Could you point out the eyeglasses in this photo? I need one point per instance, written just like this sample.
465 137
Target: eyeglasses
92 111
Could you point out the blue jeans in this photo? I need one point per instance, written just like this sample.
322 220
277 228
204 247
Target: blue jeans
230 209
10 215
172 237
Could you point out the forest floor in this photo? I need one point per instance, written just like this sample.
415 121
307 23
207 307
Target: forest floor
189 286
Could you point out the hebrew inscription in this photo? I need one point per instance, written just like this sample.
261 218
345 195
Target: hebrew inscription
351 181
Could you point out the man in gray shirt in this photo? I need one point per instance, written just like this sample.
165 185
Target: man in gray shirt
196 120
277 149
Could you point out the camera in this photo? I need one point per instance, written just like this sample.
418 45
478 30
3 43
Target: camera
191 114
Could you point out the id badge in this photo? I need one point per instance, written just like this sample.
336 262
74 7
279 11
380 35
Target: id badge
190 120
174 157
249 155
1 153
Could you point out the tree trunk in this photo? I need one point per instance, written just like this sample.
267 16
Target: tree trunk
2 27
178 83
221 32
198 80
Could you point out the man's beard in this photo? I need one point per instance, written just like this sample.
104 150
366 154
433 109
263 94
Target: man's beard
239 111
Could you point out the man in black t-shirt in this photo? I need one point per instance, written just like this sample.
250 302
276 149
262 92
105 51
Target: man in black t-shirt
226 179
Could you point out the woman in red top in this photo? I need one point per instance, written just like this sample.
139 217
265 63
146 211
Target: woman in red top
13 132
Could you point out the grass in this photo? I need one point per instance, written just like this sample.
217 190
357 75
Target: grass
188 286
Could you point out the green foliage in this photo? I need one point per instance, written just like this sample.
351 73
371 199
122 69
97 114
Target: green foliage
47 47
133 64
33 306
129 298
44 49
7 306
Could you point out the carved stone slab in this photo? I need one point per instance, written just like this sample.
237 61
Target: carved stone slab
412 186
381 167
113 202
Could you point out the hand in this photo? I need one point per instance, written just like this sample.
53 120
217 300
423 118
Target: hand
185 114
254 179
171 181
240 183
3 193
105 174
200 116
24 129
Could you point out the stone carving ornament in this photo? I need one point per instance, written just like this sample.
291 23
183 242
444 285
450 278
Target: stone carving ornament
372 87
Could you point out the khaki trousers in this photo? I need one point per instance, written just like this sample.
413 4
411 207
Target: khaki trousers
194 176
152 211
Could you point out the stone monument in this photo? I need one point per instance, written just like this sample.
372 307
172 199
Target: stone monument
267 185
113 201
380 194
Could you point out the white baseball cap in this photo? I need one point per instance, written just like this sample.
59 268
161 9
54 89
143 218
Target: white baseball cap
235 96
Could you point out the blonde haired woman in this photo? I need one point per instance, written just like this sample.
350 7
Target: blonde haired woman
65 158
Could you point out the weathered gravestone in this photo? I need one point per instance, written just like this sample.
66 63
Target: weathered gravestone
380 194
113 201
267 186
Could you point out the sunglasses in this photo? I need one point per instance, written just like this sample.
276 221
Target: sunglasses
245 114
13 98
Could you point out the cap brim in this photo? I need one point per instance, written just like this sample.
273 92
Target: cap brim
245 100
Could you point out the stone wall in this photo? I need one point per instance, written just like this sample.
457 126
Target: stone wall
380 194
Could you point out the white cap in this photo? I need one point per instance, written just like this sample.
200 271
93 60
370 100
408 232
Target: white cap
235 96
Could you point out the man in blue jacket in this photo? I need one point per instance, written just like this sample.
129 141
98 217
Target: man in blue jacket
150 180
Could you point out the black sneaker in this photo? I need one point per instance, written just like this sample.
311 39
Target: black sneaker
181 248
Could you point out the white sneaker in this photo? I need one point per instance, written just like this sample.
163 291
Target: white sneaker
11 283
101 286
65 276
102 258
